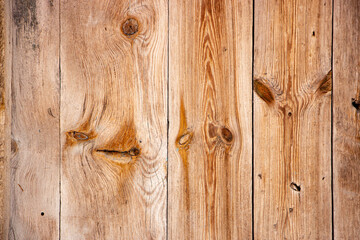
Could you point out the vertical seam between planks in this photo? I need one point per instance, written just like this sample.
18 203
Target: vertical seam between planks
167 130
252 125
60 153
332 122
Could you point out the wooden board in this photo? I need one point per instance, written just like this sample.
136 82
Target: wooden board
210 119
4 119
35 120
346 113
113 119
292 119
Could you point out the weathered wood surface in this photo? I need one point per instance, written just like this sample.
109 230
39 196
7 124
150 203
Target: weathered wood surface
140 119
346 114
210 119
113 119
292 119
4 120
35 120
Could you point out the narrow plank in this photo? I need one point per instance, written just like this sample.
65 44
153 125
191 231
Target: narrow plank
292 119
346 119
5 63
35 120
113 119
210 119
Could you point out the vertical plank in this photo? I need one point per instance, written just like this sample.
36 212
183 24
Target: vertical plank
292 119
5 60
35 120
346 119
113 119
210 119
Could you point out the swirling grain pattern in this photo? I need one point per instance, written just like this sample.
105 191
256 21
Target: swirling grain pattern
209 157
292 120
113 119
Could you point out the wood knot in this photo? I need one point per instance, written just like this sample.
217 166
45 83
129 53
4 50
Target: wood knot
295 187
78 135
355 103
134 152
130 27
226 135
14 147
212 129
263 91
185 139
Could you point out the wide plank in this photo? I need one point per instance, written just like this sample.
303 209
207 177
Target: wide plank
292 119
35 142
346 119
210 116
113 119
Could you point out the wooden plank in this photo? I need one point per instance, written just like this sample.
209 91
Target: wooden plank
5 63
35 120
113 119
346 113
292 119
210 119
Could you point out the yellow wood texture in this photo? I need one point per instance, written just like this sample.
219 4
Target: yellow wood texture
292 119
34 136
346 118
113 119
210 119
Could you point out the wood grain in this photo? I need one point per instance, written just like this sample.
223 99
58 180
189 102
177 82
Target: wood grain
292 119
346 122
5 62
113 119
210 119
35 120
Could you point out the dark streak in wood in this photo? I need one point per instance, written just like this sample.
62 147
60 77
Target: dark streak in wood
183 141
24 12
325 84
20 187
356 103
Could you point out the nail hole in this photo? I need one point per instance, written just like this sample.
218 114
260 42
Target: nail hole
291 209
295 187
42 213
313 33
289 114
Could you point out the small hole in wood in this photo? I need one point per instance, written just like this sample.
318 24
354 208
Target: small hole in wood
42 213
289 114
313 33
295 187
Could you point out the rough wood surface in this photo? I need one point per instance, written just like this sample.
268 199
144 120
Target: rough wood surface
4 188
292 119
346 122
113 119
210 119
35 120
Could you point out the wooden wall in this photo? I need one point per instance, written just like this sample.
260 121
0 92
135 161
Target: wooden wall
165 119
